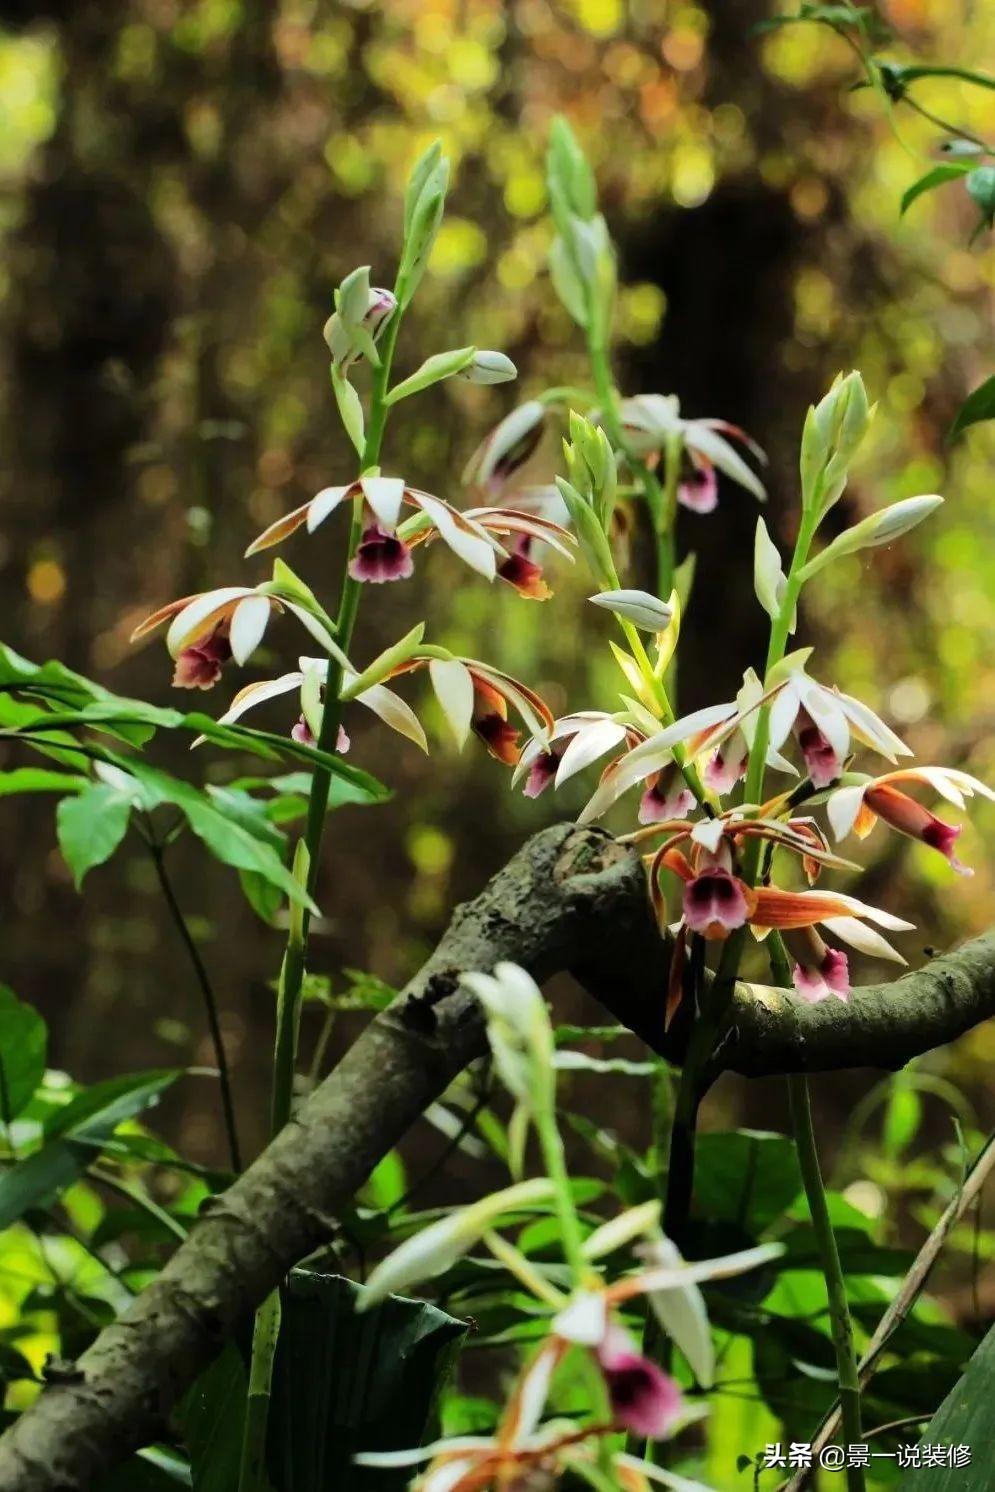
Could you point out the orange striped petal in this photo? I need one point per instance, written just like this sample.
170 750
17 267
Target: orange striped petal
280 530
158 617
787 909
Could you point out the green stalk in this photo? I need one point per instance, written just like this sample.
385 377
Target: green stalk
551 1144
847 1371
252 1470
839 1310
712 1019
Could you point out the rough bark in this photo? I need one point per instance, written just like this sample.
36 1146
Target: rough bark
571 899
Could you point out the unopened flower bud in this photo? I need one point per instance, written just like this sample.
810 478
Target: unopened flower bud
489 367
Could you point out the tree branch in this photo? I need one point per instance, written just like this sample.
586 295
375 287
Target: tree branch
571 899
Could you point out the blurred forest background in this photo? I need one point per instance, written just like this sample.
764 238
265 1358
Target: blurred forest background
184 182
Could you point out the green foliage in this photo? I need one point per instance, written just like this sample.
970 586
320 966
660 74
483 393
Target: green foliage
91 825
23 1042
73 1137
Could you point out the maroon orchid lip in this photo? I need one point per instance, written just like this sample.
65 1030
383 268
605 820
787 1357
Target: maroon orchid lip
541 774
303 733
524 573
830 977
821 761
715 903
910 817
200 667
381 557
699 490
664 799
643 1398
499 736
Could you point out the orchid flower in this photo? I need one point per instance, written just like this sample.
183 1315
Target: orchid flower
858 807
471 1463
574 742
823 721
309 679
476 696
703 731
651 420
507 448
383 554
207 630
716 900
644 1399
519 568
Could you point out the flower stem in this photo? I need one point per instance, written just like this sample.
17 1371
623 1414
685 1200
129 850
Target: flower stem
252 1471
712 1018
210 1000
839 1310
551 1144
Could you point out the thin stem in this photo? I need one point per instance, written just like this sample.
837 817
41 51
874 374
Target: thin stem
265 1334
551 1143
839 1310
252 1471
210 1000
711 1020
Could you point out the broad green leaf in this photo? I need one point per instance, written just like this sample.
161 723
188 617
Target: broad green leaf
228 840
858 1253
23 1040
977 407
346 1382
74 1137
939 176
90 827
964 1418
211 1417
746 1176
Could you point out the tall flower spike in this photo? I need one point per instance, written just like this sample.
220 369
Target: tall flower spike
208 629
383 553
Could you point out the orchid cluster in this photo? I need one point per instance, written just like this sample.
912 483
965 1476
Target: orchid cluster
728 855
585 1322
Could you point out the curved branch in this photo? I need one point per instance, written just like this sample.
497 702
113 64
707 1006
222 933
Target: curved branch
571 899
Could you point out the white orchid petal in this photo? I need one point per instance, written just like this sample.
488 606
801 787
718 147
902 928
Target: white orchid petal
842 808
851 930
682 1314
620 1230
720 453
872 729
589 742
189 624
258 694
783 713
584 1320
474 548
453 685
323 503
384 495
826 711
248 624
395 712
